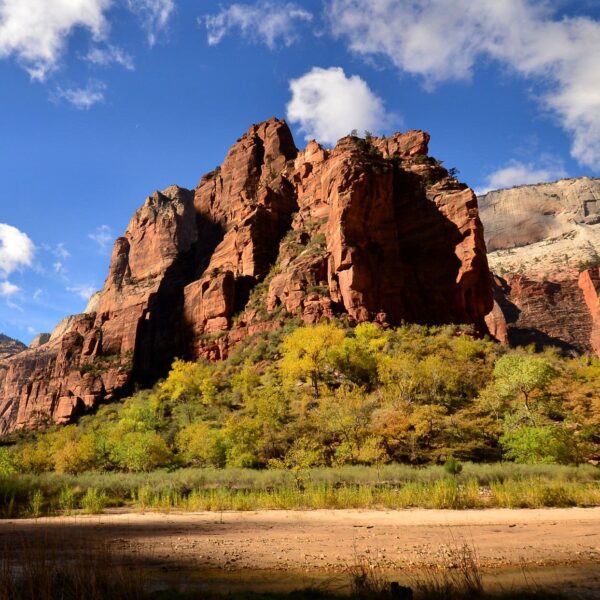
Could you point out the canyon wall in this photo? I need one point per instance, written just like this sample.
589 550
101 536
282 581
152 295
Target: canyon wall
543 246
374 229
9 347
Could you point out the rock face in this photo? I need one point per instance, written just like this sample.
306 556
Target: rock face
8 346
372 229
39 340
544 242
528 214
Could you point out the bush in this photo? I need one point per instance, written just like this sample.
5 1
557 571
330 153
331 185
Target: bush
452 466
199 445
75 456
7 462
36 502
67 500
94 502
141 451
539 444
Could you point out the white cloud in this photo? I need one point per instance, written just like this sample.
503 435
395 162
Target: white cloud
83 98
35 32
60 250
517 173
155 15
266 21
82 290
328 105
7 289
103 236
109 55
443 39
16 250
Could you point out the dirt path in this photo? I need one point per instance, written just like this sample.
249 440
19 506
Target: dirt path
327 542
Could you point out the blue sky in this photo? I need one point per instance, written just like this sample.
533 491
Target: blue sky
104 101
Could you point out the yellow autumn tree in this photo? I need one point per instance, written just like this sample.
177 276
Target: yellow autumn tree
309 355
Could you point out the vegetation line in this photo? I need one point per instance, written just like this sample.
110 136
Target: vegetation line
329 416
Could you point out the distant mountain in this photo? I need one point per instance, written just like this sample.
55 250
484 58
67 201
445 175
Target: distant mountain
8 346
543 245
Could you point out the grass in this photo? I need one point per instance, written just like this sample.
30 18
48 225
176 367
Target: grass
505 485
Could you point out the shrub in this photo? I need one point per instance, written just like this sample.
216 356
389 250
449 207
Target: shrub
7 462
539 444
453 466
94 501
67 500
36 502
141 451
75 456
200 445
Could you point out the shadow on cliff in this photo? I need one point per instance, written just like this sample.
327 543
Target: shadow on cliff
163 334
520 334
426 267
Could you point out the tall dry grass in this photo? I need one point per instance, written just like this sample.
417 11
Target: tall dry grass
390 486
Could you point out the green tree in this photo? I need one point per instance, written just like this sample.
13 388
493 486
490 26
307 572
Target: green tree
75 455
140 451
358 356
343 420
539 444
521 376
201 445
242 437
8 464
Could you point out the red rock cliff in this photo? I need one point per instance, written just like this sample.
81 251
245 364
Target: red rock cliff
373 229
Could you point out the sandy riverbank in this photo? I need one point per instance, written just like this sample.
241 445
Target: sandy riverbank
324 542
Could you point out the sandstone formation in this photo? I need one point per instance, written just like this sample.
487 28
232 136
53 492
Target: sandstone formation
528 214
372 229
39 340
542 239
589 284
9 347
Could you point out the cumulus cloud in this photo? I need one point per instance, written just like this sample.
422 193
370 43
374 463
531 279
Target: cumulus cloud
155 15
328 105
83 98
35 32
266 21
16 250
518 173
442 40
103 236
109 55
